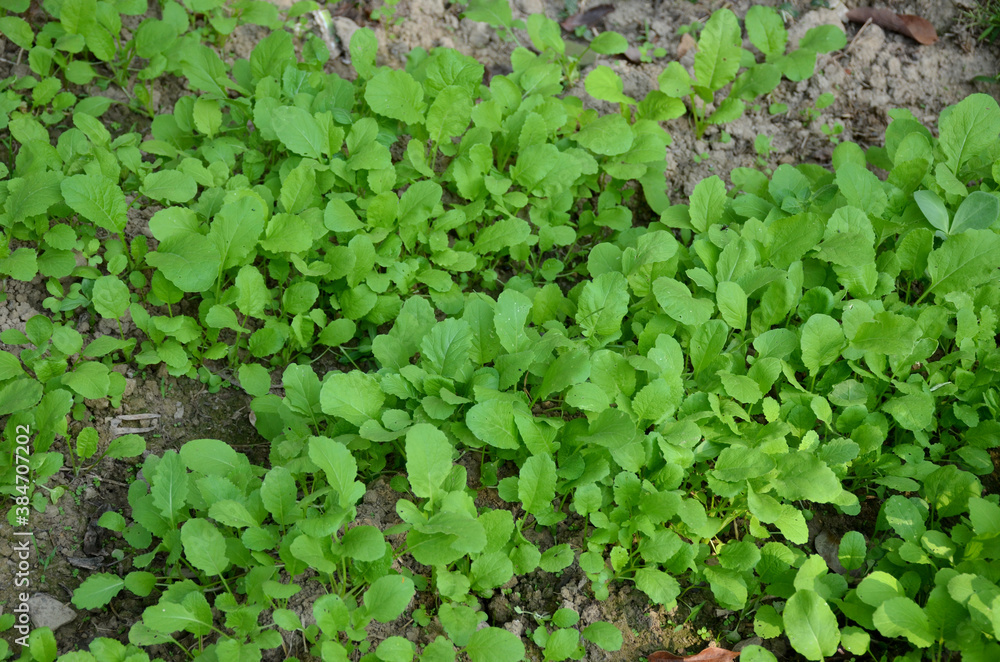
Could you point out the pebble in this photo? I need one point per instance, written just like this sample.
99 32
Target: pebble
47 612
478 34
345 29
529 7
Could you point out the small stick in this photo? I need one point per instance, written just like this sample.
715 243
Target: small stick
858 34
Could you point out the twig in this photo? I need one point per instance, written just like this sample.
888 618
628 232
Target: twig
858 34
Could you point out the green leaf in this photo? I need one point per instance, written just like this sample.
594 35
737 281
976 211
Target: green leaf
388 596
353 396
914 411
188 260
798 65
396 94
89 379
493 12
449 115
718 56
491 570
879 587
168 617
271 54
492 421
674 81
169 488
824 39
97 199
97 590
364 543
339 466
608 135
129 445
207 116
42 645
299 131
204 546
661 588
545 34
977 212
609 43
810 625
536 485
395 649
728 587
428 460
110 297
604 84
602 305
969 128
511 313
741 388
448 347
211 457
803 475
965 261
502 234
903 617
732 303
677 302
933 209
236 229
766 30
169 186
605 635
204 70
887 333
86 443
363 47
278 494
948 489
18 31
708 202
33 196
861 188
852 550
494 645
572 367
19 395
822 340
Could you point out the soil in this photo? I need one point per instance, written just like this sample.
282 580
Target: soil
876 72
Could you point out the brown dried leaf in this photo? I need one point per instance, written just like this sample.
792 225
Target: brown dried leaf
711 654
687 43
587 17
919 29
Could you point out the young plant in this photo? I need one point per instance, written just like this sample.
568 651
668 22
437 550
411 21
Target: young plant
720 58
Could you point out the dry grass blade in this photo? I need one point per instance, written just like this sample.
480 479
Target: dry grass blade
915 27
587 17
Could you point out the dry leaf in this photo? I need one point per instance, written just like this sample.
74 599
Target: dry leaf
711 654
587 17
687 43
915 27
